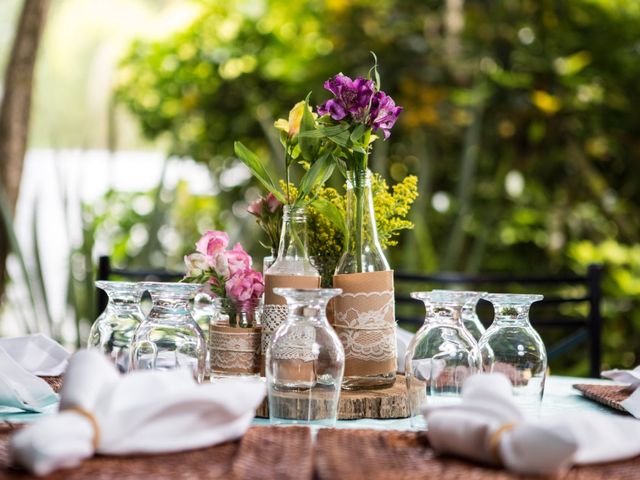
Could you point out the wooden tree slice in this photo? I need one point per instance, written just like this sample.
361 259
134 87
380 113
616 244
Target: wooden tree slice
384 403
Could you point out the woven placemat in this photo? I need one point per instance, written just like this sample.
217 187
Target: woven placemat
609 395
384 454
264 452
55 382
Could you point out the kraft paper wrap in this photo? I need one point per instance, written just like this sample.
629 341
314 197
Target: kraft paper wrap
364 319
275 310
235 350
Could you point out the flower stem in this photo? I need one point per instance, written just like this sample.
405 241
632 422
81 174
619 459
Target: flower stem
359 193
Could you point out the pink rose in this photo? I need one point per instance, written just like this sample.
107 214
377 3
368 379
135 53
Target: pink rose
255 208
196 264
212 242
220 264
237 259
272 203
245 286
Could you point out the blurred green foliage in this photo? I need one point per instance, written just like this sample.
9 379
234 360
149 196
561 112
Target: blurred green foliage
519 120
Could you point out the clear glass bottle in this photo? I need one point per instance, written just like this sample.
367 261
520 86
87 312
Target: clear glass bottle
305 361
470 317
364 315
169 337
234 338
291 269
113 330
516 349
442 354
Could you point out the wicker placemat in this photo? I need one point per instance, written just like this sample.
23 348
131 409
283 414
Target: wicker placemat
609 395
264 452
384 454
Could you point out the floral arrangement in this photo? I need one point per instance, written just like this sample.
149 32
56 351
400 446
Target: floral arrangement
226 272
339 134
268 213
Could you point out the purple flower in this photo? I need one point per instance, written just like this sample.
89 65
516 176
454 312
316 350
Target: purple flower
358 101
384 113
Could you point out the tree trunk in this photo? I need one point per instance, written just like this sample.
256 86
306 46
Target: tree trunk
15 110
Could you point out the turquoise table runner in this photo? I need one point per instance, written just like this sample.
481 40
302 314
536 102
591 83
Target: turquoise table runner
559 397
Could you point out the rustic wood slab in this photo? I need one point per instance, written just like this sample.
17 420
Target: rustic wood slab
383 403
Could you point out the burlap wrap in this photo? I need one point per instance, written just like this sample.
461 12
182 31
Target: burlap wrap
364 319
234 350
274 312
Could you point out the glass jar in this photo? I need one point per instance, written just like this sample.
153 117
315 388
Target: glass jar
512 347
292 269
113 330
234 338
169 337
364 315
305 361
442 354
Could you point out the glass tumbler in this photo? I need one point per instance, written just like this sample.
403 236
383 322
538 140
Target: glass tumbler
113 330
305 361
169 337
442 354
516 348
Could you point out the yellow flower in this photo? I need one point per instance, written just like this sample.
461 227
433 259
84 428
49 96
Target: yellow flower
292 126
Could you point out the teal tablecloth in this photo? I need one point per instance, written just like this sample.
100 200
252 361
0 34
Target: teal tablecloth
559 397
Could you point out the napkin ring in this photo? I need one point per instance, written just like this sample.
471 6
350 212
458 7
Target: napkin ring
92 419
494 440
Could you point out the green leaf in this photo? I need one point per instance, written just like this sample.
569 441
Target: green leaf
317 175
374 69
324 131
253 163
308 145
332 213
357 133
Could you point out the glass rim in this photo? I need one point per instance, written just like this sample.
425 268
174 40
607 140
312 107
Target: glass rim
448 297
513 298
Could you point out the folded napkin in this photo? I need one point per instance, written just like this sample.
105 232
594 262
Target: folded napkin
487 426
632 377
145 411
37 354
21 359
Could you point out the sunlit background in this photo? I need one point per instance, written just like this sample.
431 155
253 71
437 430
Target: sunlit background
520 121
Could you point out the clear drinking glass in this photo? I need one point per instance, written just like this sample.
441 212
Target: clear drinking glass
113 330
470 318
516 349
305 361
442 354
169 337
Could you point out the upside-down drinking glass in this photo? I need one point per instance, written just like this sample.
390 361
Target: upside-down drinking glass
470 318
442 354
305 361
113 330
169 337
516 349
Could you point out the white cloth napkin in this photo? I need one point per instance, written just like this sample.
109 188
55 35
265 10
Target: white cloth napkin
403 337
632 377
21 359
487 426
37 354
142 412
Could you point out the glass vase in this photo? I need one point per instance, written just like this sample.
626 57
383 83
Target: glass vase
113 330
442 354
291 269
364 314
512 347
305 361
234 338
169 337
